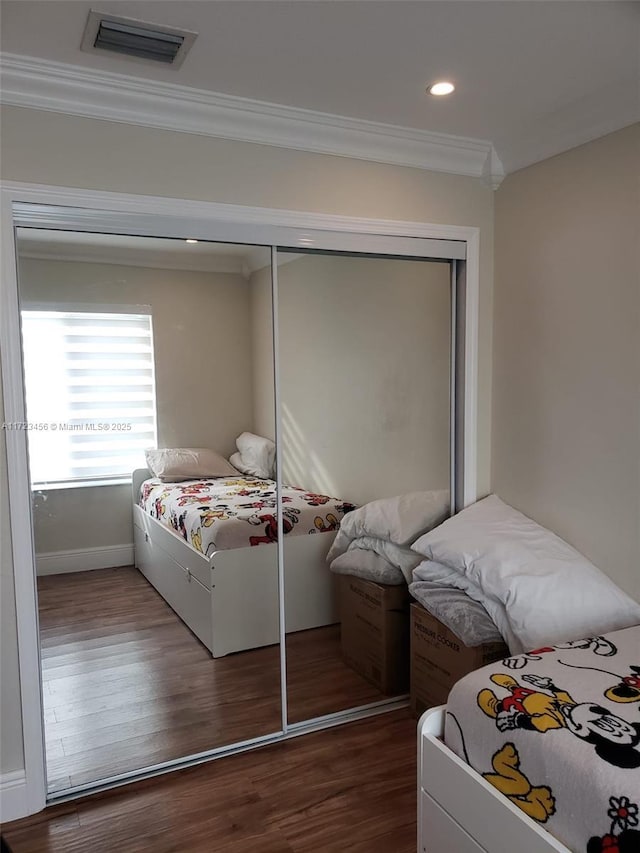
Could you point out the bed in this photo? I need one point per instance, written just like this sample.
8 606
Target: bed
209 547
539 752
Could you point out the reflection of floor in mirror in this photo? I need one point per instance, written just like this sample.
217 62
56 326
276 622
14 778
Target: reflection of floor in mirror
127 685
350 788
318 681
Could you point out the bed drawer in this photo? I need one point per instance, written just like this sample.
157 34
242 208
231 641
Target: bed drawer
440 833
174 546
180 589
454 788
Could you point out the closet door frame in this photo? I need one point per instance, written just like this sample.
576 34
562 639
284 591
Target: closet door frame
41 206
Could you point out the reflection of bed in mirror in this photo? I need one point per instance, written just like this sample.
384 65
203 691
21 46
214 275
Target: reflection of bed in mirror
228 597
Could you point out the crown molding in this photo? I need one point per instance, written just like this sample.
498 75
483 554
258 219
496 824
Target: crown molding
77 90
153 259
493 172
132 258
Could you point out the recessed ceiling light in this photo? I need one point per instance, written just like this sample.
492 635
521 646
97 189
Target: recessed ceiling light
189 240
442 88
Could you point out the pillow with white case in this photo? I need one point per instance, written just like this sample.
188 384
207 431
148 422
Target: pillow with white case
256 455
174 464
250 470
550 592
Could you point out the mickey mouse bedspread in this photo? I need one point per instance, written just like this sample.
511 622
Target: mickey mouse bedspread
217 514
557 731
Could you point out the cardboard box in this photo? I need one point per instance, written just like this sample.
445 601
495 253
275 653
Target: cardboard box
439 659
374 621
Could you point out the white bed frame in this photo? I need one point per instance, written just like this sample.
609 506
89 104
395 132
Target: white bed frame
460 812
230 599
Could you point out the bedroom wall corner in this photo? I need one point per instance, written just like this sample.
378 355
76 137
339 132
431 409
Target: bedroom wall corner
566 367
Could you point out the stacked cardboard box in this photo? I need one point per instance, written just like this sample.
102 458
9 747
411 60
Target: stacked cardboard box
374 620
439 659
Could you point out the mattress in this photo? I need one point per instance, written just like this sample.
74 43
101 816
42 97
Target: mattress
557 731
219 514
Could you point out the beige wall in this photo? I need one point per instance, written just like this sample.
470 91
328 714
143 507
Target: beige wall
364 375
71 519
566 420
262 354
47 148
203 377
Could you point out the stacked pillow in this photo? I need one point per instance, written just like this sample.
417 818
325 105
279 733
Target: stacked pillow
537 589
256 456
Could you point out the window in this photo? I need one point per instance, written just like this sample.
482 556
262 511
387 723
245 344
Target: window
90 394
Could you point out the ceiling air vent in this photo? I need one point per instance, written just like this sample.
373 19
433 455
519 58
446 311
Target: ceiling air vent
136 39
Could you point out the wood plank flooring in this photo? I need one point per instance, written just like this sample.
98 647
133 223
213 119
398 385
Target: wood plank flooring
126 685
350 789
318 681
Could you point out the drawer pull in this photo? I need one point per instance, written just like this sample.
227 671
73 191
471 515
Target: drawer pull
146 537
189 575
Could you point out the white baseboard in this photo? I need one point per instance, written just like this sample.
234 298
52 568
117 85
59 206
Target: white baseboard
84 559
13 796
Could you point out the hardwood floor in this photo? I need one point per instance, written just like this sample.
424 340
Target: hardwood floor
318 681
126 685
351 789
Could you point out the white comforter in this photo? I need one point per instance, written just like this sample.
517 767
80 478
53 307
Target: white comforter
373 541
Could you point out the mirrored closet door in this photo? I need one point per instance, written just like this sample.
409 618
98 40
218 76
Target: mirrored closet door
364 363
214 455
159 616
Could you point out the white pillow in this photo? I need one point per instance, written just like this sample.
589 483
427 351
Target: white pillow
258 455
551 593
173 464
238 462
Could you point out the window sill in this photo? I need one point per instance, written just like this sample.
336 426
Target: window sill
81 484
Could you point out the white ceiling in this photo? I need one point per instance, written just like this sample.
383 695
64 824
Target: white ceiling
534 78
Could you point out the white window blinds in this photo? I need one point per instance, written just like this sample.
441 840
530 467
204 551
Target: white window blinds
90 394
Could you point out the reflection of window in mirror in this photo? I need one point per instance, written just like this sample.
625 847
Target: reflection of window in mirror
90 393
130 344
